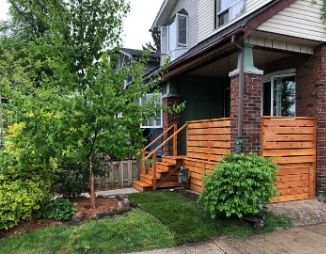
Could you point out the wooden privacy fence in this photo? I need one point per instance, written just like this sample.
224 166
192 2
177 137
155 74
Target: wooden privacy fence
209 139
118 174
207 142
292 144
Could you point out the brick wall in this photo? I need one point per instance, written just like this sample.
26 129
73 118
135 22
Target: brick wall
312 101
251 111
170 119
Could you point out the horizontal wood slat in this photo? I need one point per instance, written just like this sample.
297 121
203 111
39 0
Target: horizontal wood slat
209 139
291 142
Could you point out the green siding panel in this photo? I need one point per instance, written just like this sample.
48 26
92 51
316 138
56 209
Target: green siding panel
205 99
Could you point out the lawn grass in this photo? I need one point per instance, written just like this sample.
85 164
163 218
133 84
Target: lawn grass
134 231
162 219
188 222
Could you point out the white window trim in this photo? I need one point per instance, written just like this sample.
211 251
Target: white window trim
271 78
218 14
161 112
177 31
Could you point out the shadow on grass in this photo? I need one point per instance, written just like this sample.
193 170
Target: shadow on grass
188 222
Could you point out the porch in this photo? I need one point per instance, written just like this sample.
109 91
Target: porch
290 141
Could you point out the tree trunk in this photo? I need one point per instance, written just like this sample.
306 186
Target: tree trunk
91 182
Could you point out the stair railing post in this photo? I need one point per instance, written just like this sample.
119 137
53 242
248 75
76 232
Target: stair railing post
142 167
175 140
154 170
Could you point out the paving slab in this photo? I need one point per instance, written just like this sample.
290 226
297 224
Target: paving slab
117 192
300 240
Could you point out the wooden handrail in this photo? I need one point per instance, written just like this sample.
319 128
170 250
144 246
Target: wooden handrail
154 171
160 136
166 141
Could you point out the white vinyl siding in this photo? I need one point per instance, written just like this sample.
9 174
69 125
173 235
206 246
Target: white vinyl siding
301 20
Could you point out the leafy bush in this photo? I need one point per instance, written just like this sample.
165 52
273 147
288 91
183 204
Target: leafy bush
241 184
26 175
58 209
18 200
72 179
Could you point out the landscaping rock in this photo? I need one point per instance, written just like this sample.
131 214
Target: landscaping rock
103 215
78 217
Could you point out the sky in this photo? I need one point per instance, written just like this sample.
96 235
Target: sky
136 26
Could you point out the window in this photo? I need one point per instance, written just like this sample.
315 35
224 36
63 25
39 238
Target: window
174 36
279 96
182 27
227 10
156 121
164 40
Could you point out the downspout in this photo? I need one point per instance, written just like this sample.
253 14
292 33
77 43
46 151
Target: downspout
239 140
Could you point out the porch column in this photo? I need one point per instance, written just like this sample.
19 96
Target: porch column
251 106
170 98
311 101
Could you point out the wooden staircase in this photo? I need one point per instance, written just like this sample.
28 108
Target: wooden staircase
163 173
166 175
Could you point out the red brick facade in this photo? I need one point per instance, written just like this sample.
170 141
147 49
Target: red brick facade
252 104
169 119
311 101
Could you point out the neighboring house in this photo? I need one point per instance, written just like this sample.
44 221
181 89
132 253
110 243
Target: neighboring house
253 75
152 127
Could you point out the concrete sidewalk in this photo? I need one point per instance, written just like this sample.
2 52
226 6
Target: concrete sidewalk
299 240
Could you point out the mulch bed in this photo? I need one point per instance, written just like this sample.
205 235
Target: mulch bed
28 226
104 207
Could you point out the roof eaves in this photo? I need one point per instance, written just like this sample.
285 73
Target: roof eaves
246 25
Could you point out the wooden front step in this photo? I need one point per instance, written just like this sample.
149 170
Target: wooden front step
162 166
169 160
141 186
164 172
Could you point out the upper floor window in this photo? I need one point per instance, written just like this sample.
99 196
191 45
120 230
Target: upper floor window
182 30
227 10
175 35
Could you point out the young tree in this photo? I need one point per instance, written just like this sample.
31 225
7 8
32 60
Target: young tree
90 111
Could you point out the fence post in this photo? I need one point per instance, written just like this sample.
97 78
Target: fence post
175 140
142 166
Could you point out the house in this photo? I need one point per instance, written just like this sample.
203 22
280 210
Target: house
127 55
253 75
152 128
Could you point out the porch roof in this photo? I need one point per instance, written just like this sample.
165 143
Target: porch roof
244 27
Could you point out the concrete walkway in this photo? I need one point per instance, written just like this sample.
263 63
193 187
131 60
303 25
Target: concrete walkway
116 192
299 240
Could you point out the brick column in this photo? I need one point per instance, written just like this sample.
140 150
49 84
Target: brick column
252 104
170 119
